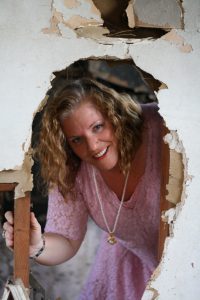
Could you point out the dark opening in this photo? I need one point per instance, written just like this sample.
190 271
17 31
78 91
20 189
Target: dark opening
115 18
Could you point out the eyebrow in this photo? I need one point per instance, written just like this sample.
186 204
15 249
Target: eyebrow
94 123
75 136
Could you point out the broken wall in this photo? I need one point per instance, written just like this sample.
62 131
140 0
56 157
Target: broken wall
57 33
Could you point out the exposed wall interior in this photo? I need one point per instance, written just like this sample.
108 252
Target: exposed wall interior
56 34
171 14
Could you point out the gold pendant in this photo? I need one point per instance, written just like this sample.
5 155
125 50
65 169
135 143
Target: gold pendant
111 239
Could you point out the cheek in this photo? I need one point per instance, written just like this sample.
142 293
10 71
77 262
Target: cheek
109 133
113 138
78 150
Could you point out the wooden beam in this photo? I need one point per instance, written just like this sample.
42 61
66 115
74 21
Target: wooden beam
7 187
21 239
164 204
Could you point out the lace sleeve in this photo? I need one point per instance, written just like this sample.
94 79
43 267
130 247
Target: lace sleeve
66 218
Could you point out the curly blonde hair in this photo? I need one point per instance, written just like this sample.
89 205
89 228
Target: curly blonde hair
59 164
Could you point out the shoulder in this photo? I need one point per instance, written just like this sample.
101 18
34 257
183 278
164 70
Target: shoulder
83 175
150 112
149 108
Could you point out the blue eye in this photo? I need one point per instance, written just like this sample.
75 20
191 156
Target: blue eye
76 140
98 127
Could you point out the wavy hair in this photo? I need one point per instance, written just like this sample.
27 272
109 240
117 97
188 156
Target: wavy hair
59 164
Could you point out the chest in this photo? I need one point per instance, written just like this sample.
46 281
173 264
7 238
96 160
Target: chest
116 180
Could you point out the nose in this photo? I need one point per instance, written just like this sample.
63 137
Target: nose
92 143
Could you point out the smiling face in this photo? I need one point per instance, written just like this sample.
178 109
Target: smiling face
91 136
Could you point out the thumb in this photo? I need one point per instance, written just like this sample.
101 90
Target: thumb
35 225
36 231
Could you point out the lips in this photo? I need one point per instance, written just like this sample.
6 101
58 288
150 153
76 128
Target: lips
101 154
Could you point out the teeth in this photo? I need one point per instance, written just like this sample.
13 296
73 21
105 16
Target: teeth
101 153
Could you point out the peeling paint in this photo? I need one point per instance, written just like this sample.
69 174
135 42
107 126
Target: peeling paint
72 21
176 173
178 176
163 86
155 294
173 141
56 18
176 168
169 217
86 10
150 294
22 176
78 21
130 15
174 38
96 33
71 3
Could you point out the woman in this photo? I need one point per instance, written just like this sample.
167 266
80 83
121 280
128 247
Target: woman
101 157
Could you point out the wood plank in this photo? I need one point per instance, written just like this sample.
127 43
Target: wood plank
164 204
21 239
7 187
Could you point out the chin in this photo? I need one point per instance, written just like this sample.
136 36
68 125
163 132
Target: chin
107 166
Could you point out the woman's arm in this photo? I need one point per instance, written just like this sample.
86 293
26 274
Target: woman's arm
57 248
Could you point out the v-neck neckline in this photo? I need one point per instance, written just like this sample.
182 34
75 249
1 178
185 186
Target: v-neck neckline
114 198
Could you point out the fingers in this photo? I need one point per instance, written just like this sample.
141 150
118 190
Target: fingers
8 228
9 217
8 234
36 235
34 223
9 241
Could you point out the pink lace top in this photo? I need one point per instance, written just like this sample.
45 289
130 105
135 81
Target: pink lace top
120 271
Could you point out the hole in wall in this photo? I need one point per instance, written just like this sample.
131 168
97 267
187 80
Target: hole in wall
138 33
128 19
113 14
122 75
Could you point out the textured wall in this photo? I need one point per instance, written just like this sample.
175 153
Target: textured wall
35 44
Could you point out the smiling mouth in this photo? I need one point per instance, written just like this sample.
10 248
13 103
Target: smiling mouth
101 154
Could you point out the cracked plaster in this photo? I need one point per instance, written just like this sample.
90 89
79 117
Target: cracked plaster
28 70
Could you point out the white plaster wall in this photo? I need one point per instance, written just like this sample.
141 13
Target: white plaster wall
28 58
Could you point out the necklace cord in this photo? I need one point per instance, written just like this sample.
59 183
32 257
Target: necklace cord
120 206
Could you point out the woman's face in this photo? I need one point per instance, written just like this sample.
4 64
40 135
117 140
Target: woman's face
91 136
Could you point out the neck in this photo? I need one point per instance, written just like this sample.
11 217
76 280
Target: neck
116 171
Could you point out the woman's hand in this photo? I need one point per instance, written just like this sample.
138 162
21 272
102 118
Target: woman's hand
35 233
57 247
8 229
